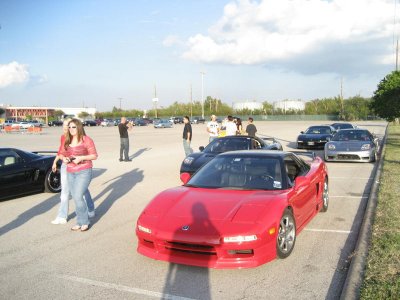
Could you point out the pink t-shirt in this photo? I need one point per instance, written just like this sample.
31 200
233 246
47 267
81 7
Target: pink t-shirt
86 147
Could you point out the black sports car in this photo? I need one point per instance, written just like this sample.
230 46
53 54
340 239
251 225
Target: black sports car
315 136
223 144
89 123
23 173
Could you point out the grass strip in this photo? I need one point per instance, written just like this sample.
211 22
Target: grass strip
382 274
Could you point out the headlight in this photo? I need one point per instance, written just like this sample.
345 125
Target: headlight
144 229
240 238
188 160
331 147
366 147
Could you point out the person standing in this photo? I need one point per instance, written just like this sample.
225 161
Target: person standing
123 128
187 136
212 129
230 127
239 126
63 210
78 152
251 129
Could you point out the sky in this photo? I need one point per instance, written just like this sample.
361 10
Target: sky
92 53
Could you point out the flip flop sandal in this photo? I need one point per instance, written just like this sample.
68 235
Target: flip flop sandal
76 228
84 227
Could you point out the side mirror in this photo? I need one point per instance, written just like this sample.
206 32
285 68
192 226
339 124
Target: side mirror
302 132
185 178
301 182
201 148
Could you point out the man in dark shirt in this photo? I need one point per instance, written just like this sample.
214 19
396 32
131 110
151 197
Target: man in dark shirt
123 128
187 136
251 128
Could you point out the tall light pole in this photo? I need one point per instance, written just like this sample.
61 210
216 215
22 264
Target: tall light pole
120 100
155 100
202 94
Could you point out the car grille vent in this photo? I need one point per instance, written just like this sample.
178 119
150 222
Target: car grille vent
190 248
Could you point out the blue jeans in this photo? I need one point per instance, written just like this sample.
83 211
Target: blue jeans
124 148
186 147
78 183
64 205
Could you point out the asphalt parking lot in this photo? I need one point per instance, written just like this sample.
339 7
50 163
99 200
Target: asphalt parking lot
41 260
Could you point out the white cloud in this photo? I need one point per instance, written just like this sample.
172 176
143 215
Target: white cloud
279 32
12 73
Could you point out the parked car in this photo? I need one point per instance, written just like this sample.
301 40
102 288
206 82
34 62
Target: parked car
23 172
107 123
163 123
339 126
89 123
240 210
194 161
55 123
98 122
315 136
198 120
355 145
36 123
140 122
22 125
178 120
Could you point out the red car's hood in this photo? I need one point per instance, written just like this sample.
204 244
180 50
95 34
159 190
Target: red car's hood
201 208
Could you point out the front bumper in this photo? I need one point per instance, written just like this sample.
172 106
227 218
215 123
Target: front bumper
209 255
350 156
311 144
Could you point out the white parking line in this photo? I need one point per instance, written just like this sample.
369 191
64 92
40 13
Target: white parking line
327 230
355 197
123 288
352 178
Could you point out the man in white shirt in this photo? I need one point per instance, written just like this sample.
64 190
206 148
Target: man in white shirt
231 128
213 128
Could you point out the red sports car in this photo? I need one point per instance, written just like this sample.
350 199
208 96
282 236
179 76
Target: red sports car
240 210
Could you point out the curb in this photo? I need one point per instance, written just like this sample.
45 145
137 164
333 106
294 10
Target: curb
355 275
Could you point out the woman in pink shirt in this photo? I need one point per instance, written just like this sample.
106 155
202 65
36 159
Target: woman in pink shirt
78 153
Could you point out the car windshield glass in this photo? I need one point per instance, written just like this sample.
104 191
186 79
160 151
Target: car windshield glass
242 173
352 135
228 144
318 130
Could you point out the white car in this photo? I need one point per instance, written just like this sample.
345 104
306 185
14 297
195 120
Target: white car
106 123
23 125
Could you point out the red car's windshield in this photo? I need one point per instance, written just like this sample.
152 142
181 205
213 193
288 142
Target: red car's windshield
235 172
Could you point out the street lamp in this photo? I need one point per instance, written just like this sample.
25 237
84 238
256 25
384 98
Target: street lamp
202 94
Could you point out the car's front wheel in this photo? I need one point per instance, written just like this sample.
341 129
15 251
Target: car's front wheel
52 182
286 237
325 196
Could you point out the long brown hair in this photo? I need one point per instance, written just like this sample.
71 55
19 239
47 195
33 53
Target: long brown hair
80 132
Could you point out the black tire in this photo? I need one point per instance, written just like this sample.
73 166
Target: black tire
286 237
299 147
52 182
325 196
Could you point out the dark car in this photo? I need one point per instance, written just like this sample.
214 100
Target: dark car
315 136
198 120
140 122
339 126
55 123
89 123
229 143
178 120
23 173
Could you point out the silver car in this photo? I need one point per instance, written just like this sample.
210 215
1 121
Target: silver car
354 145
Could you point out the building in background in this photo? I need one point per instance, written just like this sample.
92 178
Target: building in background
250 105
286 105
20 113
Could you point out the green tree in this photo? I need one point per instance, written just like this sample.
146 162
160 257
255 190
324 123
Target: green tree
386 100
58 113
83 114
